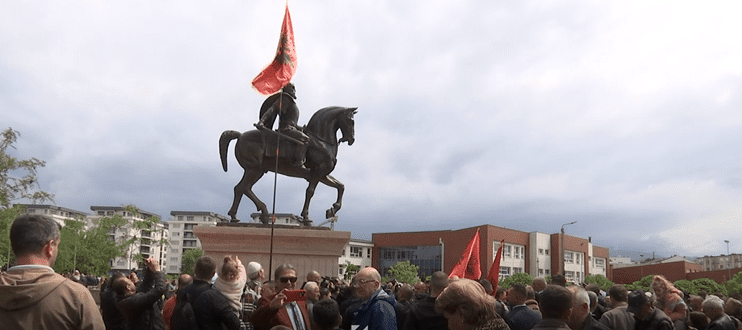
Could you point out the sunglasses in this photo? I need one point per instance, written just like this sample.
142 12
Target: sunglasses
287 279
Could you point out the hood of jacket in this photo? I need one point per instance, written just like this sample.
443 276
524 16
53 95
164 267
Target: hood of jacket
380 294
23 287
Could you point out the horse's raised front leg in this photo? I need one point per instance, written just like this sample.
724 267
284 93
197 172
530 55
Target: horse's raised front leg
307 199
332 182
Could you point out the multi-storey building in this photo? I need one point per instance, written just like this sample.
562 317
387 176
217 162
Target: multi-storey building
356 252
182 237
535 253
149 239
59 214
720 262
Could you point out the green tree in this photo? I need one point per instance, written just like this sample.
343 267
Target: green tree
189 260
709 285
519 278
350 270
405 272
734 284
90 247
11 187
600 280
686 285
642 284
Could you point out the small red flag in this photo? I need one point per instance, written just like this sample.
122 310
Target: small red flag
282 69
468 266
494 274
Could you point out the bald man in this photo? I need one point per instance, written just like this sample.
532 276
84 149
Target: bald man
377 311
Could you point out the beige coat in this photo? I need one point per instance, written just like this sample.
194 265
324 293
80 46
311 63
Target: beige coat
38 298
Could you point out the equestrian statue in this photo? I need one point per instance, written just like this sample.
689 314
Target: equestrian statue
308 152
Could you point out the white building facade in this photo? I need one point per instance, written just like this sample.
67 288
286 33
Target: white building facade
150 239
182 237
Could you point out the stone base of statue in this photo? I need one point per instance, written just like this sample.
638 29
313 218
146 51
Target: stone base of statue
306 248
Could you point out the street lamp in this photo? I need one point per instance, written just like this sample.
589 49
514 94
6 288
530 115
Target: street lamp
729 267
564 266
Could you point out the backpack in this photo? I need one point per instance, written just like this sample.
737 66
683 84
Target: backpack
184 317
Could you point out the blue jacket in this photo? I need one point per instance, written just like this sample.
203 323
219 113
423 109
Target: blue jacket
377 313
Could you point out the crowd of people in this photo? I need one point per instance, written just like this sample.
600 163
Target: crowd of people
228 294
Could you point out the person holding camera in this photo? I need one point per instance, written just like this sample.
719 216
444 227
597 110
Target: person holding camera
287 307
139 304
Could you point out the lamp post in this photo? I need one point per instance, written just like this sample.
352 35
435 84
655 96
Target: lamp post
729 267
564 266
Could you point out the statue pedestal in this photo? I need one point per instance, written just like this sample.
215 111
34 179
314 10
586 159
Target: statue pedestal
305 248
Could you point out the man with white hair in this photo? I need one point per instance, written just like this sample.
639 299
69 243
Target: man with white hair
713 307
581 318
377 311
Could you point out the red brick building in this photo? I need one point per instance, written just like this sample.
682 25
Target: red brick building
534 253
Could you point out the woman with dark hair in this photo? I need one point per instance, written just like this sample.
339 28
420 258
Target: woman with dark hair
467 306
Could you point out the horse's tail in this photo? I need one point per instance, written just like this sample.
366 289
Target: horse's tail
224 140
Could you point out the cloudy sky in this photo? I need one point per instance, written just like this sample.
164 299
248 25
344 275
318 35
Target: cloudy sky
623 115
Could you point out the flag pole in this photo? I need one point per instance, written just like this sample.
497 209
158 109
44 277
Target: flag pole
275 185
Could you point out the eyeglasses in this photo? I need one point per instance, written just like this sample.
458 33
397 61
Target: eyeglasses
287 279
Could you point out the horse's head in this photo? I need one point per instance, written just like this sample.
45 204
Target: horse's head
347 125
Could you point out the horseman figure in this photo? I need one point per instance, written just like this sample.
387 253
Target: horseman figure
283 106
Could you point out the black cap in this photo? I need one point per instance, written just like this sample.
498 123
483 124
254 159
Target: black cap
637 300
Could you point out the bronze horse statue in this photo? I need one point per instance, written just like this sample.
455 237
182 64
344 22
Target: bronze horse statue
256 152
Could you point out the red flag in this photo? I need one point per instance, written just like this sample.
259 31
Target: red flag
282 69
494 274
468 266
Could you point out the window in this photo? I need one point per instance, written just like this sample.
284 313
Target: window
519 252
101 212
189 218
506 251
176 234
368 252
174 259
547 251
505 271
173 250
578 257
174 268
175 243
541 251
180 218
569 257
517 270
343 252
356 251
547 271
600 262
176 225
540 272
570 276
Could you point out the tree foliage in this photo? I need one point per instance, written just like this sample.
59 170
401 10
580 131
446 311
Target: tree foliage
12 187
602 282
350 270
189 260
686 286
405 272
519 278
734 284
90 247
709 285
642 284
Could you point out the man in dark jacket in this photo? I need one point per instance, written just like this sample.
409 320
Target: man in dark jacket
581 318
422 314
647 316
112 316
139 304
713 307
520 317
210 307
377 311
